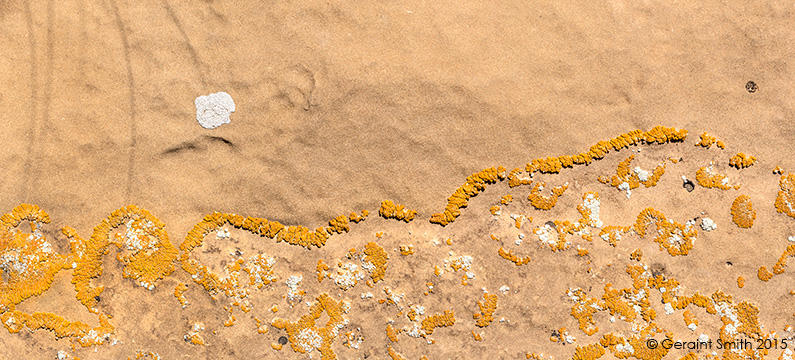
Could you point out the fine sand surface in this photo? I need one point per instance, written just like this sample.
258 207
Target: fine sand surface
341 105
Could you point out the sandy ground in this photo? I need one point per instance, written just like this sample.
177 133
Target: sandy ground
341 105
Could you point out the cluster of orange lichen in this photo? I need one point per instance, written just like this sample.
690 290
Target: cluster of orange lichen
15 320
435 321
260 270
740 282
778 268
507 199
612 234
305 336
406 250
676 238
487 308
28 262
636 255
589 352
390 210
786 196
627 179
509 255
477 336
707 141
338 225
460 199
542 202
377 256
391 333
515 178
741 161
320 269
358 218
179 293
659 134
743 213
495 210
394 354
706 177
690 319
151 253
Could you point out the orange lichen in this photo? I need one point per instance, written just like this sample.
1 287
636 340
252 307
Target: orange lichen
391 333
320 269
690 318
612 234
390 210
582 251
477 336
487 308
741 161
338 225
590 352
543 202
434 321
637 255
148 254
394 354
495 210
785 201
743 213
740 282
85 335
475 183
406 250
627 179
179 294
304 336
707 141
509 255
515 178
358 218
778 170
507 199
676 238
708 178
375 261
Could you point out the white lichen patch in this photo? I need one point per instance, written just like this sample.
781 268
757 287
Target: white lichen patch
213 110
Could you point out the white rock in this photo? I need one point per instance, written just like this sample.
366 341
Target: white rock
213 110
708 225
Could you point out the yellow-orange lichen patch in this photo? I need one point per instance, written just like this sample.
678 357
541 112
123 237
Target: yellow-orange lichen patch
475 183
406 250
743 213
707 141
147 253
338 225
612 234
590 352
179 293
495 210
390 210
778 170
305 337
394 354
435 321
627 179
392 333
740 282
507 199
487 308
194 335
780 265
15 320
28 261
509 255
358 218
690 320
676 238
785 201
636 255
741 161
260 270
321 268
477 336
515 178
375 261
543 202
708 178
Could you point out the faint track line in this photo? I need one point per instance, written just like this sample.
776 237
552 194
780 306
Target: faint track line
194 56
32 135
131 98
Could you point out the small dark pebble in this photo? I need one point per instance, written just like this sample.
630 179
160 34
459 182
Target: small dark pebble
96 298
282 340
688 185
729 264
751 87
